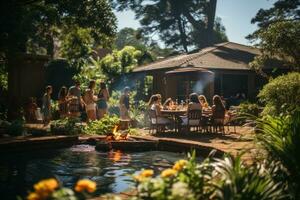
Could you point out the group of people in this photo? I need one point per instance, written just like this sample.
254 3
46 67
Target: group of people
71 102
195 102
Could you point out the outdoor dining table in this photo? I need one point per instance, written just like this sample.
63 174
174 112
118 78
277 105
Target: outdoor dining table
175 115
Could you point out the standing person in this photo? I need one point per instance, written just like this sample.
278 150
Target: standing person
124 104
63 102
46 107
103 97
90 99
75 100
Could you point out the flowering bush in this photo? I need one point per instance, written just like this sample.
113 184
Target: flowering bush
226 178
50 189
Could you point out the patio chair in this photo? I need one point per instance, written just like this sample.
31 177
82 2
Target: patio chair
218 125
230 120
155 125
217 122
194 118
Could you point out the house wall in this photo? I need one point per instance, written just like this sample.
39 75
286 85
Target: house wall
240 81
26 78
168 85
222 82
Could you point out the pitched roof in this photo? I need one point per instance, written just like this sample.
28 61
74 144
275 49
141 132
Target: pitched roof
188 69
227 55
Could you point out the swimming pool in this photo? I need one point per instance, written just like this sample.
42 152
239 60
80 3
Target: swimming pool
110 170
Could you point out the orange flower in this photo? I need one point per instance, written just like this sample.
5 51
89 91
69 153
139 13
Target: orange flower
85 184
45 187
168 173
179 165
33 196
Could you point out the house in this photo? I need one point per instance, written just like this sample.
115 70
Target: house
221 69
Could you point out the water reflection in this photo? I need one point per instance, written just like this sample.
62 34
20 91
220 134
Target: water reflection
110 170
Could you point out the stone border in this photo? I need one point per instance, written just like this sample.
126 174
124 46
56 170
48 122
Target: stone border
158 144
37 143
139 143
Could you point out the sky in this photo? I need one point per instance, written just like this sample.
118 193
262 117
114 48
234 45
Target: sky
236 16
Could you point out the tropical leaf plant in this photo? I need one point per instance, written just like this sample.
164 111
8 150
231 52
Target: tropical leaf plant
280 137
235 180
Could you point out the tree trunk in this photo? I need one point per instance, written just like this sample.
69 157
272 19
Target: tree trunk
211 20
182 33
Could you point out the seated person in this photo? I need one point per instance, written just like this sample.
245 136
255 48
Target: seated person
159 99
203 102
218 109
193 105
168 104
155 105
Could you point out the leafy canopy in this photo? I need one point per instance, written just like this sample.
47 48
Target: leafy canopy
179 24
150 50
278 35
111 67
43 26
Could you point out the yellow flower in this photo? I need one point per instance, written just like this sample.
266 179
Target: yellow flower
147 173
143 175
179 165
168 173
45 187
33 196
85 184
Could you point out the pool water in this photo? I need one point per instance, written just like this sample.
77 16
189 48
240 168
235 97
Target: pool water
110 170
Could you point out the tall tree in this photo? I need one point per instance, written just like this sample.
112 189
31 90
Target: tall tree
34 25
150 50
278 35
176 22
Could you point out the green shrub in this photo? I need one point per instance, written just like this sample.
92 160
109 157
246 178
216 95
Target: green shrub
281 95
103 126
67 126
55 111
138 115
280 137
16 128
247 108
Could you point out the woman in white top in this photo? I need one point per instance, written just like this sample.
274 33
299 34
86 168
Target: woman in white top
90 99
193 105
155 105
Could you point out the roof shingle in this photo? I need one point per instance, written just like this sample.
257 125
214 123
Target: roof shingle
227 55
